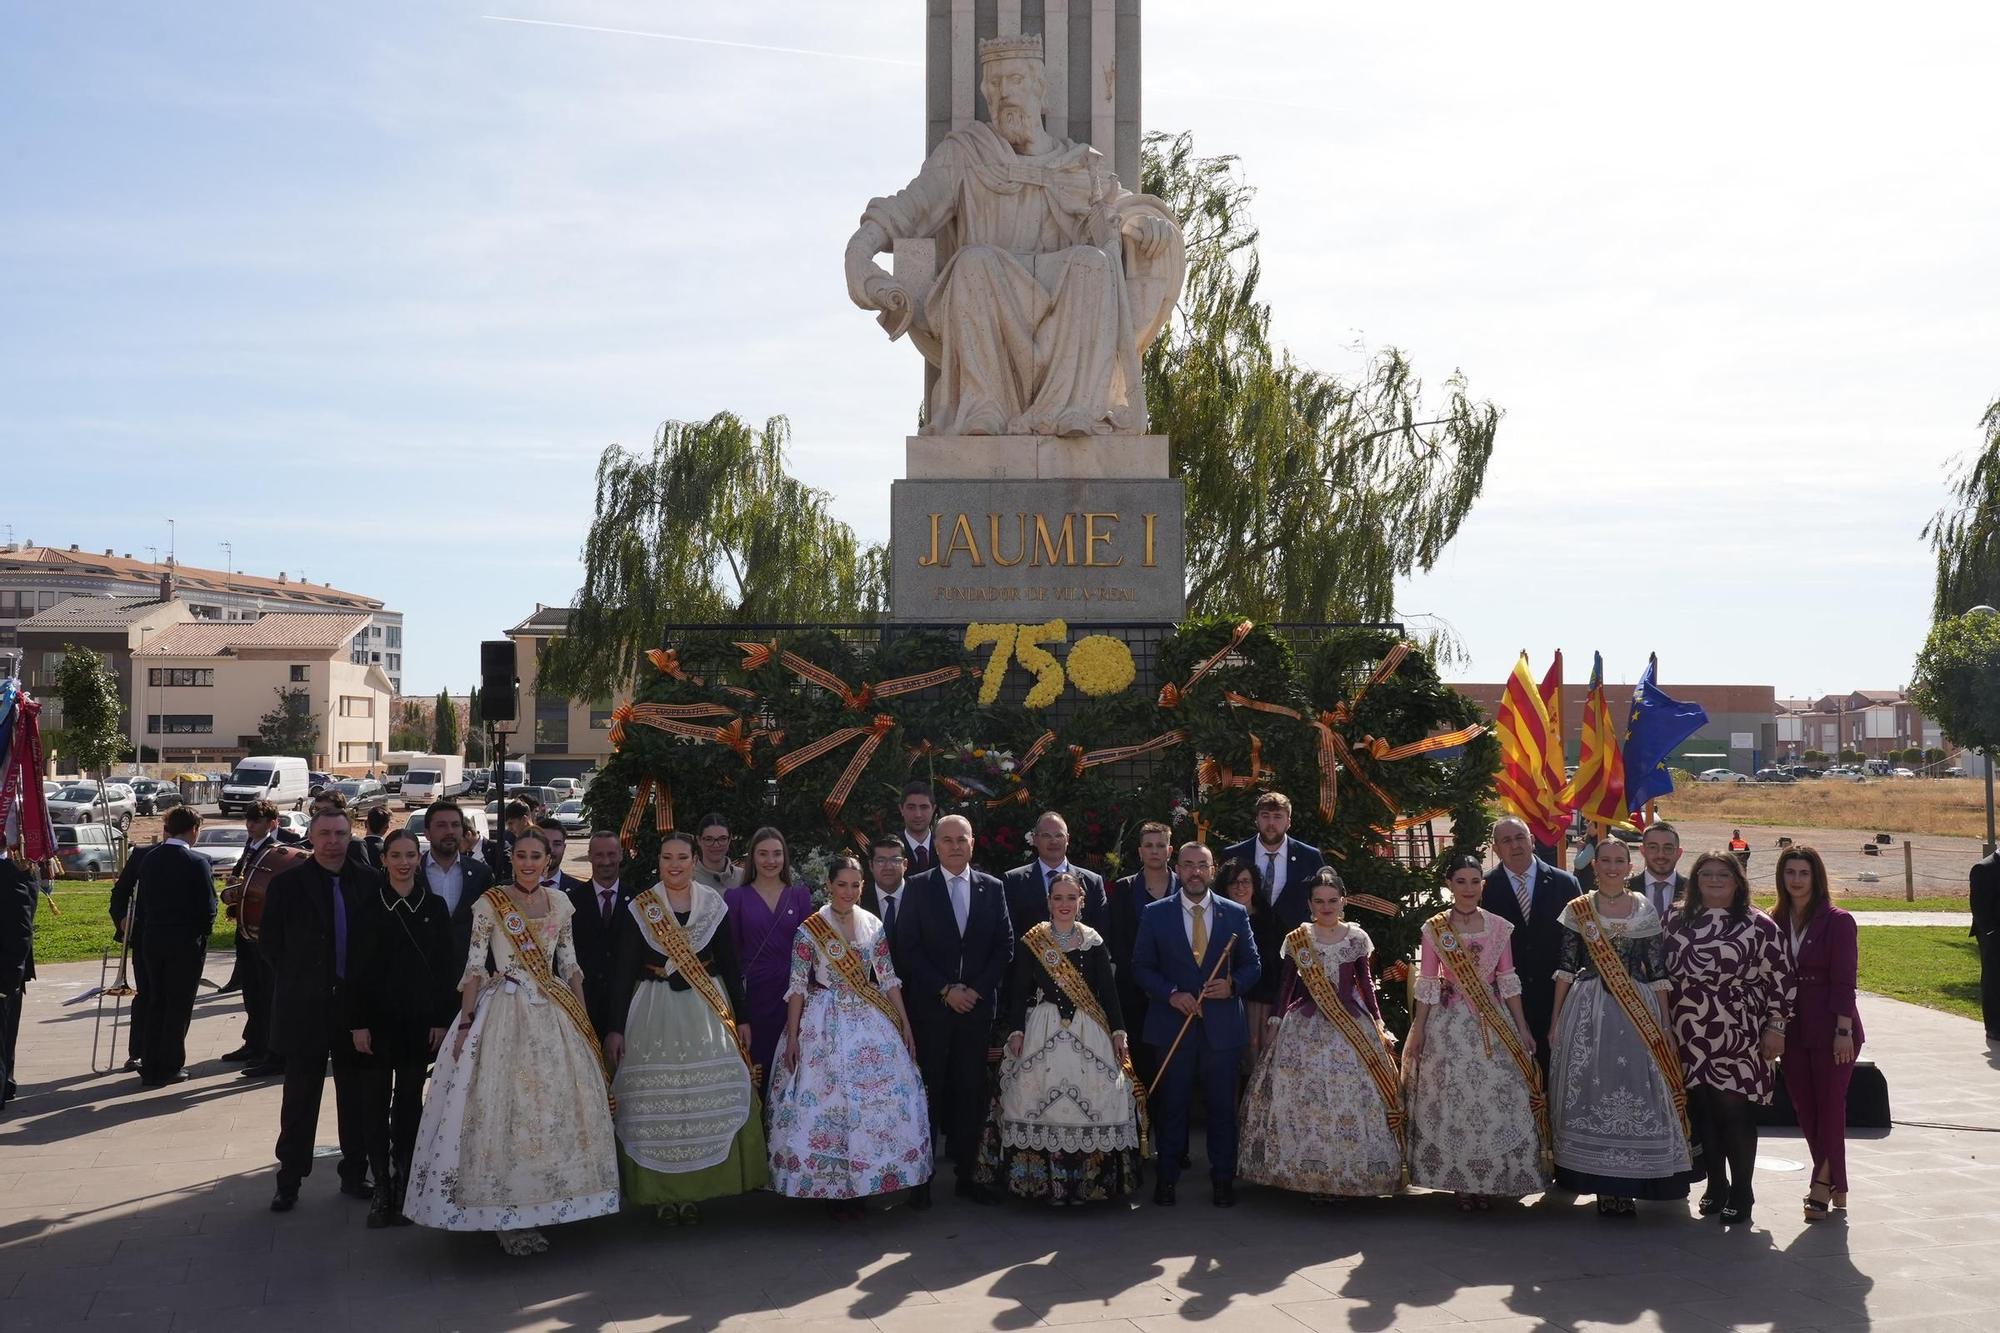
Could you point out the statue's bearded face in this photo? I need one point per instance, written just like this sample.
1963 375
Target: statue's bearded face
1015 92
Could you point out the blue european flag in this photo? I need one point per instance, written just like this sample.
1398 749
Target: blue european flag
1655 726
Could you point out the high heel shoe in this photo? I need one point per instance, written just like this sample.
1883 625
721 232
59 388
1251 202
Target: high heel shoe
1840 1200
1817 1210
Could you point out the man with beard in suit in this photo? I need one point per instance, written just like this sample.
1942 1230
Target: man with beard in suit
554 879
955 942
1531 894
1284 864
1662 885
600 914
456 878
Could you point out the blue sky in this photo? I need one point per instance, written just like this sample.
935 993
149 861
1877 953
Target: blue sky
365 288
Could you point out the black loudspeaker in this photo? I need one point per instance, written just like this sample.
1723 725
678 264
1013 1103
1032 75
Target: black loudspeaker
1867 1100
496 681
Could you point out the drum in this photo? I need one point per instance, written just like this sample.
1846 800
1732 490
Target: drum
273 861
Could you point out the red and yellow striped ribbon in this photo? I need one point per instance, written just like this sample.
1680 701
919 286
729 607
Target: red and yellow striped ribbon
870 736
1119 753
1171 694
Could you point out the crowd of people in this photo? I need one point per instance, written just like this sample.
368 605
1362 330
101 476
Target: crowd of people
512 1048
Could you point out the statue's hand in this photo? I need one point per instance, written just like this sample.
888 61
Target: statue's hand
893 299
1150 233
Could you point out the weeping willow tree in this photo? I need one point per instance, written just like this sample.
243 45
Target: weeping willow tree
706 526
1356 482
1966 539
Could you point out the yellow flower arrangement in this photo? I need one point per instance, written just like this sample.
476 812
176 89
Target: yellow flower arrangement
1012 643
1002 638
1100 665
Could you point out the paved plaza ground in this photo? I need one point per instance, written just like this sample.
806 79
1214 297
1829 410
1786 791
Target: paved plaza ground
123 1208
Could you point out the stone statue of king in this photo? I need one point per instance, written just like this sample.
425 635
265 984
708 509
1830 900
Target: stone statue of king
1052 278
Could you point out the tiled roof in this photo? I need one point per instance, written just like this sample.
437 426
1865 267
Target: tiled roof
546 620
283 629
93 613
187 576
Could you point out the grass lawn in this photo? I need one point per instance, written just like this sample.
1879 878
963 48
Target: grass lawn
1935 966
1856 903
83 931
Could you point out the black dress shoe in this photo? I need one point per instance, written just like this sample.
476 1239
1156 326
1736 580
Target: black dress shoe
381 1208
262 1069
166 1082
240 1055
1225 1194
131 1066
287 1195
920 1196
357 1189
1163 1194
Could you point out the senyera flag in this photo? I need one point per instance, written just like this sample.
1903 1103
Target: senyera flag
1597 792
1526 733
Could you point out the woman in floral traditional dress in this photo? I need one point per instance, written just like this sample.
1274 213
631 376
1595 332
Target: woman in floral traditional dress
848 1114
1315 1118
764 914
1619 1132
1066 1127
689 1124
1732 1000
1474 1129
517 1132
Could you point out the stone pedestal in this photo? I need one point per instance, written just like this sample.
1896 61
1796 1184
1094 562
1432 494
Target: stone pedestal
1034 457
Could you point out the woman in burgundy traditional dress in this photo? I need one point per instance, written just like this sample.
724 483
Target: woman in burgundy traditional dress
765 912
1732 1000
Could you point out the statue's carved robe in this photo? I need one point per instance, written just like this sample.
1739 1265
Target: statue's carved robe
1039 315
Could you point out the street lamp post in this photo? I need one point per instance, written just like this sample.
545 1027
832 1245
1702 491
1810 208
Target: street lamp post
1986 753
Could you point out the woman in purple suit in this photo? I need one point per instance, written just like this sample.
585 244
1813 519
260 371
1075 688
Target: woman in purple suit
1825 1033
765 913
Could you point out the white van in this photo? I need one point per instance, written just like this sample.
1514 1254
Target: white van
277 778
432 777
515 772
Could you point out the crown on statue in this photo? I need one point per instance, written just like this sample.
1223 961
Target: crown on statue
1023 47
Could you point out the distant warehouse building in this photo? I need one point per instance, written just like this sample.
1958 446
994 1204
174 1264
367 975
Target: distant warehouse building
1742 730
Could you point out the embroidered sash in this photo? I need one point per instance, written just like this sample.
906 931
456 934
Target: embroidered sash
658 918
536 963
1325 994
1041 942
1465 975
846 959
1612 972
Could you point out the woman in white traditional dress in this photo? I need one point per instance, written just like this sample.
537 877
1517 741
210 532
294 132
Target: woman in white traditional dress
689 1124
1619 1122
1066 1127
1477 1114
1324 1112
517 1132
848 1113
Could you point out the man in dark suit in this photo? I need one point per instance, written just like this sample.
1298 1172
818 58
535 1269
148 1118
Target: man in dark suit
17 963
1285 866
1986 930
1662 885
1130 896
260 826
1028 885
500 850
1531 894
376 821
882 896
600 905
555 879
956 942
1181 942
456 878
309 918
173 910
917 807
122 932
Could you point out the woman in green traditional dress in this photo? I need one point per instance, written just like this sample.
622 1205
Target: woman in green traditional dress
689 1124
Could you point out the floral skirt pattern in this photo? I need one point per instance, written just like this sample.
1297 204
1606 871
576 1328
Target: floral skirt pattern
851 1120
1312 1119
1472 1128
1064 1128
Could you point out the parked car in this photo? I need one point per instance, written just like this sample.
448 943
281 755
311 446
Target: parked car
221 845
1775 775
282 780
317 782
570 815
81 804
154 796
362 794
1720 775
297 821
1901 773
88 850
1804 771
567 786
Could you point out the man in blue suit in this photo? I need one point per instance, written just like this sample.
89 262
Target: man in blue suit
953 944
1181 939
1531 894
1285 866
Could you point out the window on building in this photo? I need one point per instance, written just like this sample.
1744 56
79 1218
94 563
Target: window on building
395 639
180 724
600 715
45 600
360 752
551 723
357 705
374 631
395 661
184 676
298 673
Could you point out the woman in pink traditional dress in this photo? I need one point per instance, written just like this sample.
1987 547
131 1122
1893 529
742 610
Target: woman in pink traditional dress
1474 1128
1732 1001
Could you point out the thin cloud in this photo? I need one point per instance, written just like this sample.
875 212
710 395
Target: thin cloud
703 41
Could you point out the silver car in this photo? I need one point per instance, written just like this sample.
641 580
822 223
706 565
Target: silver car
82 803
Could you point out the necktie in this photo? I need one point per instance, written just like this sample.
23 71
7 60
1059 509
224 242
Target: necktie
339 931
920 858
604 897
1523 894
1048 878
1271 875
1200 933
889 912
961 903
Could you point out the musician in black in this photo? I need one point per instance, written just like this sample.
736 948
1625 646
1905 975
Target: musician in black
397 1004
307 937
173 911
260 823
17 963
122 933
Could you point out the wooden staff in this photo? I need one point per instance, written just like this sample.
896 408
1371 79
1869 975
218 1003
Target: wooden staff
1161 1077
